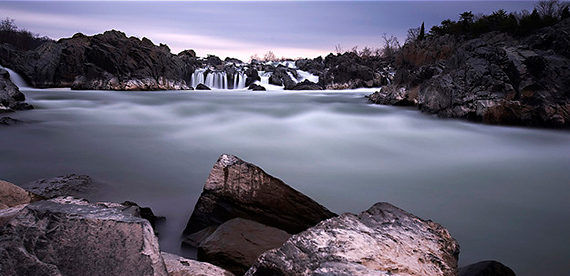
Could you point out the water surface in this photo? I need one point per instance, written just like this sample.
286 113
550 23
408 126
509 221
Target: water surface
501 191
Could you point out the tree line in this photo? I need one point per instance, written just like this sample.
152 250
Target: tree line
19 38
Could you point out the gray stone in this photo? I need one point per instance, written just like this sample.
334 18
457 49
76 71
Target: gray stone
66 236
12 195
384 240
236 244
67 185
10 95
179 266
486 268
236 188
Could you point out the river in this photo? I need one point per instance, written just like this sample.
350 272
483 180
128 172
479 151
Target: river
503 192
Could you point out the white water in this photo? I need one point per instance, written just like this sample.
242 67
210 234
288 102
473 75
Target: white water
16 78
502 192
217 80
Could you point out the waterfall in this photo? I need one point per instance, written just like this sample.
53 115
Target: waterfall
217 79
239 80
16 78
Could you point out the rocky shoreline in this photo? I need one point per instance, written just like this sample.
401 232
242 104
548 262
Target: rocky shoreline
494 79
53 234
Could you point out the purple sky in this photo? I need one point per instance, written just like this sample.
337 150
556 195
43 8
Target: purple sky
243 28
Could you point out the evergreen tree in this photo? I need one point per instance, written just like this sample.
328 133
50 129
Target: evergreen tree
422 34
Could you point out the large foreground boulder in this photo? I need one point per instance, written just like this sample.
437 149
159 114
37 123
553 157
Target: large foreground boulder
65 236
12 195
179 266
236 188
384 240
236 244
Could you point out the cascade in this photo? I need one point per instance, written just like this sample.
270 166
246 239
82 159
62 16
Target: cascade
239 80
16 78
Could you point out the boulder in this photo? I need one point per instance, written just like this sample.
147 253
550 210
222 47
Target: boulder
12 195
9 121
179 266
256 87
201 86
284 76
236 244
10 96
306 85
384 240
486 268
67 185
236 188
251 76
66 236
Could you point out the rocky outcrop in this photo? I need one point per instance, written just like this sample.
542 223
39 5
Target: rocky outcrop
251 76
236 244
105 61
201 86
486 268
178 266
284 76
67 185
306 85
10 96
384 240
350 70
236 188
66 236
495 79
256 87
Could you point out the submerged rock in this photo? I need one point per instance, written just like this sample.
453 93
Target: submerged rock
256 87
179 266
66 236
236 188
201 86
8 121
67 185
486 268
236 244
384 240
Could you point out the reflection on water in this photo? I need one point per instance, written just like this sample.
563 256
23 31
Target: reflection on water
502 192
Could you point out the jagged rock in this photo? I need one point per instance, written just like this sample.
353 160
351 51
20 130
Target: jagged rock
251 76
105 61
10 96
486 268
67 185
495 79
284 76
236 188
179 266
236 244
256 87
12 195
201 86
66 236
306 85
384 240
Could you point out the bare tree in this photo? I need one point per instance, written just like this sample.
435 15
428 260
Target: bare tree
391 45
338 49
8 25
413 34
269 56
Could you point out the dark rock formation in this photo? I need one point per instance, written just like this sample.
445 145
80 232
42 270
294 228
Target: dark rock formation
179 266
349 70
64 236
201 86
495 79
236 188
236 244
284 76
67 185
384 240
256 87
10 96
252 76
306 85
486 268
9 121
106 61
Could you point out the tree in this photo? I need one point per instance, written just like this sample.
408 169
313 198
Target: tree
422 34
338 49
565 13
269 56
413 34
391 45
7 25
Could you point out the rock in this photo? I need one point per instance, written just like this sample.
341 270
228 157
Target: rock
189 53
306 85
251 76
146 213
486 268
494 79
384 240
10 95
201 86
7 213
8 121
12 195
236 188
284 76
178 266
109 61
67 236
236 244
67 185
256 87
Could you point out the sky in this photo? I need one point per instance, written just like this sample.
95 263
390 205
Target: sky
241 29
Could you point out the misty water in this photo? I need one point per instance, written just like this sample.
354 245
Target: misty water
503 192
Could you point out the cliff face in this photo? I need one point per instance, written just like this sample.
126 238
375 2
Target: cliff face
495 79
106 61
